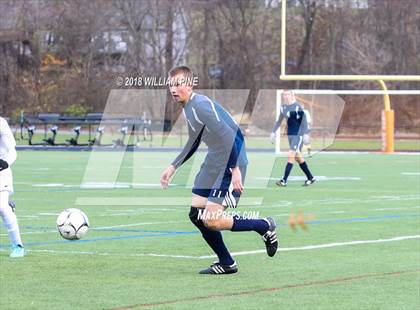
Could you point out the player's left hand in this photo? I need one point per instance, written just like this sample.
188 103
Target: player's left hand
272 138
166 175
3 165
237 180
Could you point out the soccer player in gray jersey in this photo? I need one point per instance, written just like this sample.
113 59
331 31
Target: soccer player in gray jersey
219 183
297 127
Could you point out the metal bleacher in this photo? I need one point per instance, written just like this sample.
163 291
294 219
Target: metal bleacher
93 122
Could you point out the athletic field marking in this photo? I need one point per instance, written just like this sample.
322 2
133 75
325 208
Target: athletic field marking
151 201
137 224
321 246
302 248
105 253
104 185
35 232
349 201
318 178
48 185
271 289
410 173
101 228
391 209
282 215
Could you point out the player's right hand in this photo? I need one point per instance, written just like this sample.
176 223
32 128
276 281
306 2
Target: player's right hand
272 137
166 175
3 165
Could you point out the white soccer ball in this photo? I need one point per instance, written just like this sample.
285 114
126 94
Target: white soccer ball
72 224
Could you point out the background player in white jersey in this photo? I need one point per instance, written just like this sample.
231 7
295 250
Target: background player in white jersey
7 158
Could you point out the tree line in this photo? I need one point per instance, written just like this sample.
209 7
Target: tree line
64 56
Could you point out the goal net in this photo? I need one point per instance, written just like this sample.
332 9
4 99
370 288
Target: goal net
353 119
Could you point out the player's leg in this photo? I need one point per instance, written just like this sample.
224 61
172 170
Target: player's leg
304 166
11 224
201 190
215 218
213 237
289 165
307 143
224 197
293 145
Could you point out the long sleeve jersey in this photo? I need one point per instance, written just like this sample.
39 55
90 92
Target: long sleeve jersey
7 143
296 119
208 122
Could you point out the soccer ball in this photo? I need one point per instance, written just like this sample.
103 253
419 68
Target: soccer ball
72 224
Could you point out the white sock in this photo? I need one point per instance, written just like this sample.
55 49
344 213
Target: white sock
9 219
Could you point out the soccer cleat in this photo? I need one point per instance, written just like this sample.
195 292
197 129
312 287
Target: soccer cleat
281 183
217 268
309 182
17 251
270 237
12 205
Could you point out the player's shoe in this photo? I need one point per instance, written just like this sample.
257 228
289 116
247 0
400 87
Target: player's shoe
309 182
17 251
217 268
12 205
281 183
270 237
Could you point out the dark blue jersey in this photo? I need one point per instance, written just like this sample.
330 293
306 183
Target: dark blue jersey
210 123
296 119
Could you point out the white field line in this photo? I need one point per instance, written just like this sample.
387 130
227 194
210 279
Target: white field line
367 153
151 201
103 227
302 248
350 201
322 246
317 177
137 224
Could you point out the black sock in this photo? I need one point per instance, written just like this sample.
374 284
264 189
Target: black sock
244 224
213 238
305 169
287 170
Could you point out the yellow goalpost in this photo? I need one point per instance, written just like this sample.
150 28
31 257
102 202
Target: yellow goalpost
387 114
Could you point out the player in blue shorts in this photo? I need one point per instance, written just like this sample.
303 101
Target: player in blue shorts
297 128
219 183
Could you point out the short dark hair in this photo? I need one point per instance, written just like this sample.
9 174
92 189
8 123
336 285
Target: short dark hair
186 72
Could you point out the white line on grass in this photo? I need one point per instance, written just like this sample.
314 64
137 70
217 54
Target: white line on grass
138 224
303 248
321 246
103 227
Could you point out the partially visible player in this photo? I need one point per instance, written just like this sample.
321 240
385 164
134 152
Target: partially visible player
7 157
307 136
297 127
219 183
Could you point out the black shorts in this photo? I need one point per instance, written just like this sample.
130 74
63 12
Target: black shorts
296 143
215 184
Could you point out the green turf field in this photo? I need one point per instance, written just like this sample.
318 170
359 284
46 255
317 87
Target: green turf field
142 251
